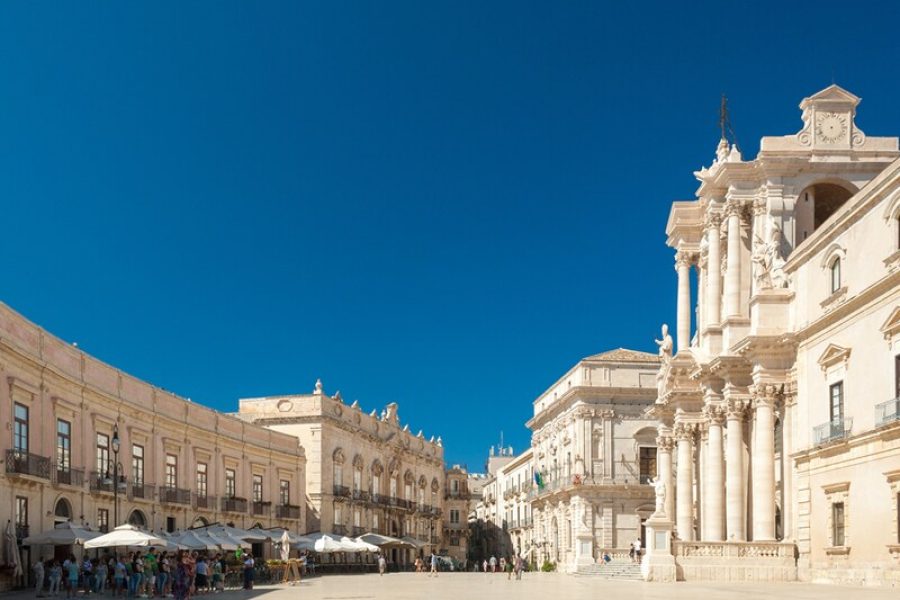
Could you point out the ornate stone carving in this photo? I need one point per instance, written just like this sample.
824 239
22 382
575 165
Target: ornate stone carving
733 207
683 258
659 490
685 431
714 413
764 394
665 443
338 456
768 264
736 408
665 344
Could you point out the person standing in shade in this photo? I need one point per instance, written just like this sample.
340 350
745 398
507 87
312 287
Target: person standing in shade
71 569
637 550
55 578
181 578
493 564
382 564
120 576
434 565
38 569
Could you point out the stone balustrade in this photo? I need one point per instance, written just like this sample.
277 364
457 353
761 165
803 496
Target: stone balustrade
735 561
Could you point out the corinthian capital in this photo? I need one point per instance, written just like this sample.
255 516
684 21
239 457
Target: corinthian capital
733 207
715 413
764 394
665 443
736 408
684 258
713 219
685 431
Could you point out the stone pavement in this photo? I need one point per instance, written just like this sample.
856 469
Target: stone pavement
536 586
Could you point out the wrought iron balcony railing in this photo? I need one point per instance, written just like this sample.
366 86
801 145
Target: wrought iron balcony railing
339 530
174 495
287 511
832 431
25 463
260 507
235 505
141 490
887 412
204 501
68 476
100 482
341 491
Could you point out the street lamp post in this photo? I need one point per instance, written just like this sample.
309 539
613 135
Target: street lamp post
117 480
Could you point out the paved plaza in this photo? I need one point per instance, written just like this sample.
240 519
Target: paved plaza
540 586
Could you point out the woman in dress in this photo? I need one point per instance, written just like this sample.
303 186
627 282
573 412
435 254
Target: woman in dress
182 580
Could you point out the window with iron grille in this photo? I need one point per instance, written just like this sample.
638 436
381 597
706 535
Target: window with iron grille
103 519
837 402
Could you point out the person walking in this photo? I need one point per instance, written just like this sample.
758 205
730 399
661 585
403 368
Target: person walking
87 573
637 550
38 569
55 578
248 572
71 568
520 565
382 564
434 564
493 562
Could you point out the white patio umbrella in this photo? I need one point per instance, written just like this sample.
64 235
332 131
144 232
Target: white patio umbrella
285 546
190 540
325 543
304 542
358 545
64 534
126 535
384 541
12 549
223 542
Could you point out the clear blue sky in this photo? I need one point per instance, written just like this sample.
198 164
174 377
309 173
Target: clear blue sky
440 204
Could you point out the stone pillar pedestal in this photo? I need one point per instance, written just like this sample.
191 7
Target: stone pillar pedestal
658 563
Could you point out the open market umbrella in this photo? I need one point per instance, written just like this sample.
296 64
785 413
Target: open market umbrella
64 534
126 535
285 546
12 550
192 541
325 543
358 545
384 541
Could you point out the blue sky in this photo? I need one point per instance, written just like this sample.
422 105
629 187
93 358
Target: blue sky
443 204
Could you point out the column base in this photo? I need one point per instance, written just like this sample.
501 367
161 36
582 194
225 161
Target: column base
584 552
658 563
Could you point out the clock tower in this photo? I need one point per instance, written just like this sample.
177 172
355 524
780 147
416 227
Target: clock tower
828 121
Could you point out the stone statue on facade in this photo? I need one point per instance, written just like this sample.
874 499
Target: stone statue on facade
768 264
665 344
659 488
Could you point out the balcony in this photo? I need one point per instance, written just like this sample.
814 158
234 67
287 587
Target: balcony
68 476
341 491
832 431
234 505
260 507
357 531
381 500
339 530
887 412
204 502
142 491
101 483
287 511
22 531
25 463
174 495
360 496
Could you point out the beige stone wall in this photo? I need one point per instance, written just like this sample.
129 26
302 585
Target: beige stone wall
55 380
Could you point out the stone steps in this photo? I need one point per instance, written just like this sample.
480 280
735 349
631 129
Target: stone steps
613 570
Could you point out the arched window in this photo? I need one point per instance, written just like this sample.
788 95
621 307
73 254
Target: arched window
835 271
63 511
199 522
137 519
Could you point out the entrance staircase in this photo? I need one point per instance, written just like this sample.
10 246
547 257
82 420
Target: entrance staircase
621 570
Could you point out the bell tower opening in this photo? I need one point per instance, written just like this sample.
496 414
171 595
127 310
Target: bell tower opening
816 204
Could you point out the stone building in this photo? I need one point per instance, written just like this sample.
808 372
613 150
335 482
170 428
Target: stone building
594 453
779 414
367 472
458 503
75 422
514 486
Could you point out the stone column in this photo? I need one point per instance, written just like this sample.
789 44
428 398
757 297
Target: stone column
714 508
683 326
733 273
684 509
734 476
712 305
664 444
764 463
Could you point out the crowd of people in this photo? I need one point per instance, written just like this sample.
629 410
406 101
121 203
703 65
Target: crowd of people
149 574
514 565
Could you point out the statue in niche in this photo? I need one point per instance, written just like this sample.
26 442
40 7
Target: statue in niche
659 488
665 344
768 264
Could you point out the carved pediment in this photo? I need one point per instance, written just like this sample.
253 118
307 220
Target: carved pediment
833 355
891 326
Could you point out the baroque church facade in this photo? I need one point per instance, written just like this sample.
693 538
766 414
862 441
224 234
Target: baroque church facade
779 405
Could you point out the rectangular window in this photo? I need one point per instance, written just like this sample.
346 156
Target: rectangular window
357 479
230 486
103 519
835 275
102 453
338 516
201 480
647 464
63 445
137 465
171 471
257 488
376 484
837 524
375 522
284 492
21 516
357 518
20 429
454 486
454 516
837 402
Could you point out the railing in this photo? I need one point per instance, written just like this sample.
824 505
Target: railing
68 476
235 505
360 495
25 463
733 549
174 495
341 491
834 430
204 501
287 511
22 531
101 483
357 531
381 499
259 507
142 490
887 412
339 530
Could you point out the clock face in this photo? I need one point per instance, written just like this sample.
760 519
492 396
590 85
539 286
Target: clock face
831 127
